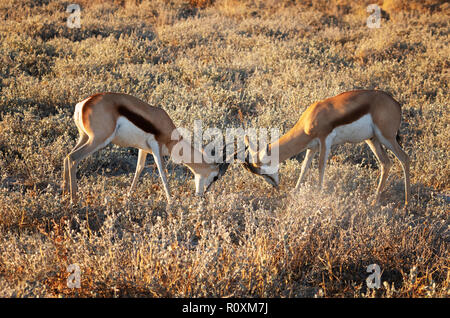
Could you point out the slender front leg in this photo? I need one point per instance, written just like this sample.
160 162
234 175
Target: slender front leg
384 162
305 166
325 145
156 149
403 157
142 155
81 141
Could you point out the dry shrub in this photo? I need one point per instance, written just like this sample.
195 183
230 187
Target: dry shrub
415 5
232 8
392 6
201 3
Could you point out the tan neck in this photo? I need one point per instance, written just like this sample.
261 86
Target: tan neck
292 143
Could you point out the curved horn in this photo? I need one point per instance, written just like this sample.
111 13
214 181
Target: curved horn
223 167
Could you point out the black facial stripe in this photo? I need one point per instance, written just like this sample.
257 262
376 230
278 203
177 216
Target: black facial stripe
223 167
273 183
251 168
215 178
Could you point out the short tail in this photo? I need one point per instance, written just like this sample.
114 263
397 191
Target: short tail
399 139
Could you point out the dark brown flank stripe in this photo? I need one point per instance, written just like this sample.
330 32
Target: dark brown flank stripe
138 120
352 116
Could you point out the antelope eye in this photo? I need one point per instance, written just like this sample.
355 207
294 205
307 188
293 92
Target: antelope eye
215 178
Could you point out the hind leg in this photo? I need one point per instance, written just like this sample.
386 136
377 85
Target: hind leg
325 147
305 166
142 155
156 150
384 162
79 154
81 141
402 156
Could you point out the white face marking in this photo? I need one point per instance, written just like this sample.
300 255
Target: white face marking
210 179
202 183
165 151
269 169
129 135
355 132
199 180
270 174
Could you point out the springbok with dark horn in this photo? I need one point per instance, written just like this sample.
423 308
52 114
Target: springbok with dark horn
127 121
351 117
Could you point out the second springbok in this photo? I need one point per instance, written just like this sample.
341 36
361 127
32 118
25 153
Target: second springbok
351 117
127 121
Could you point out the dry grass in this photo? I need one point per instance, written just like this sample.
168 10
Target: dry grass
209 60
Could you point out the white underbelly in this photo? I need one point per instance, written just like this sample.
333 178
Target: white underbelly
129 135
355 132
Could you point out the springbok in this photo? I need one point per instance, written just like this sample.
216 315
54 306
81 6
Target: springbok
362 115
127 121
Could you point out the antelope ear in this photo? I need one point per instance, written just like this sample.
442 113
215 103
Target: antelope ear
246 142
223 167
263 153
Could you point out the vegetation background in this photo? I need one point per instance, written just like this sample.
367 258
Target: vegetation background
205 59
